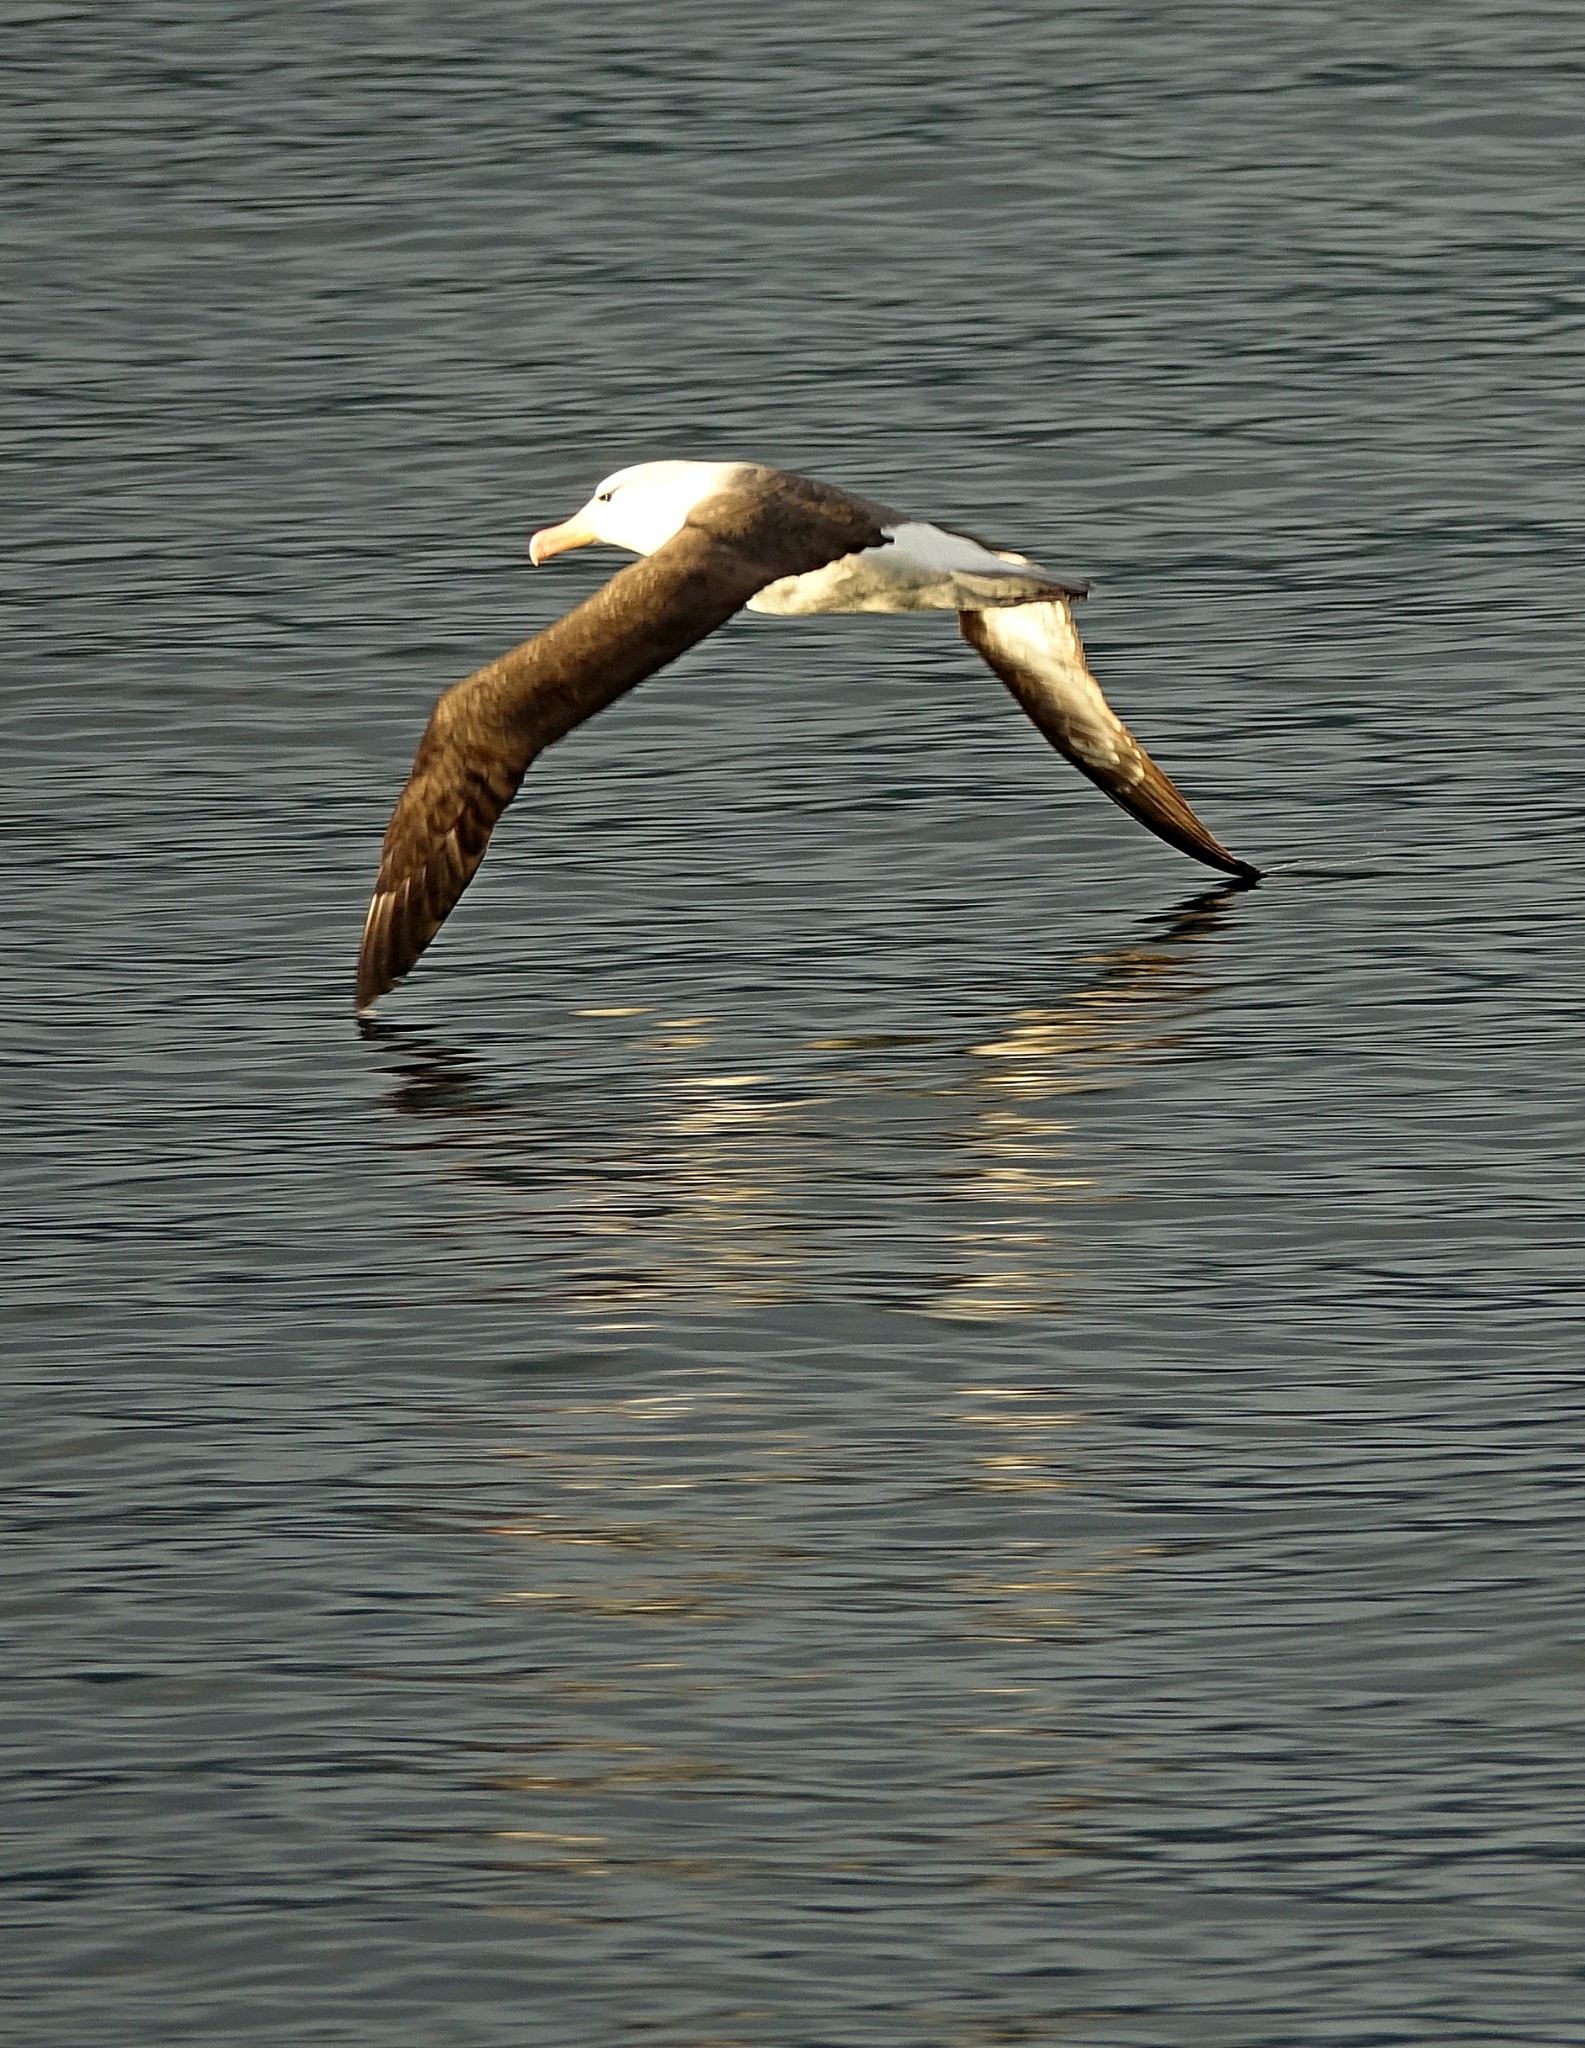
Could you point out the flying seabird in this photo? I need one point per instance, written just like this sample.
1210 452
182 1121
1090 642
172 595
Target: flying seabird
717 537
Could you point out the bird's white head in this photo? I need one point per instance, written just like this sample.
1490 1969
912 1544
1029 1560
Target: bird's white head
638 508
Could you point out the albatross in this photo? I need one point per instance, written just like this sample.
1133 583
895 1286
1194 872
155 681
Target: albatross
715 538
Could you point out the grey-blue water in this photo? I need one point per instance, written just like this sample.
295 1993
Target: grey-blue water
876 1419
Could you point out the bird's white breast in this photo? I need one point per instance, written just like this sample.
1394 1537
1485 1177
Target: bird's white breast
921 569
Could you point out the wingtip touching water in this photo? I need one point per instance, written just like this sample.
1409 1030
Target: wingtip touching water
714 538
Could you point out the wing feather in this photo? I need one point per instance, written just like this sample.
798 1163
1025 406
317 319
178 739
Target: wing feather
1036 651
486 730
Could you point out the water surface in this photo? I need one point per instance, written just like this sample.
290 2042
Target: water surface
873 1416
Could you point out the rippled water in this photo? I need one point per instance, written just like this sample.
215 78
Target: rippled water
870 1418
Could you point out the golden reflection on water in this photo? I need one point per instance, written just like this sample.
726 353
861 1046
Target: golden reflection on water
919 1170
740 1699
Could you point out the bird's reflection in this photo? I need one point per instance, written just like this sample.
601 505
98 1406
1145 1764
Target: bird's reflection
641 1167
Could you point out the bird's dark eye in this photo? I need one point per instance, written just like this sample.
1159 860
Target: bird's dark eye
604 497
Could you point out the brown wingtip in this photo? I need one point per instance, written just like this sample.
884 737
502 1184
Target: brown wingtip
437 837
1159 805
403 919
376 973
1037 652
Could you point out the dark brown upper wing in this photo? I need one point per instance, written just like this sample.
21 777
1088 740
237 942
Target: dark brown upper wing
1037 652
485 731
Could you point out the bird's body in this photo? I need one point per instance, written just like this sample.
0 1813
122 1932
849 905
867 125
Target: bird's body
717 538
